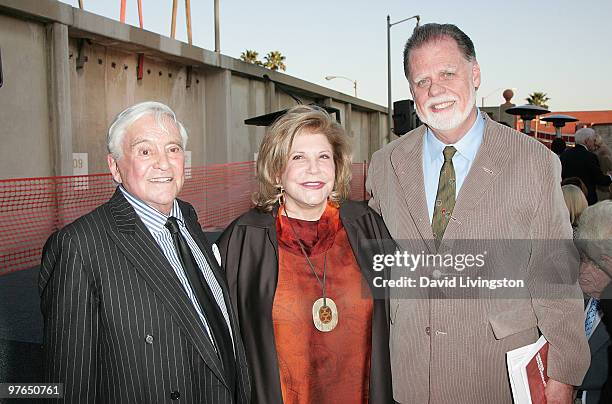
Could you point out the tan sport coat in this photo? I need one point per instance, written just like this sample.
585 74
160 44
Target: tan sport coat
453 350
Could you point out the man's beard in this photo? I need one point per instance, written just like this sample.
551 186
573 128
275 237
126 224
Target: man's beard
441 121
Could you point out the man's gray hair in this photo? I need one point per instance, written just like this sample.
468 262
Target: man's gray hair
584 134
434 32
130 115
594 234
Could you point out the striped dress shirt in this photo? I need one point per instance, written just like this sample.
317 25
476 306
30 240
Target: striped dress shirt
155 222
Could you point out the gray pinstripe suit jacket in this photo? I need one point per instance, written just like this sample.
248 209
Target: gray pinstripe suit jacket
118 327
453 350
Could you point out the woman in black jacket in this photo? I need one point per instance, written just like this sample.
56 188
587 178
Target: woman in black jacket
300 272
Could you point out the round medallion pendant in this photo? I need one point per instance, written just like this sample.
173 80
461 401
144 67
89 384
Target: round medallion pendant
325 316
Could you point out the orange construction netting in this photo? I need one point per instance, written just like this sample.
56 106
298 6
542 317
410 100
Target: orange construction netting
33 208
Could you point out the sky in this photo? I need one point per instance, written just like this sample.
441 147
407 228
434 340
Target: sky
559 47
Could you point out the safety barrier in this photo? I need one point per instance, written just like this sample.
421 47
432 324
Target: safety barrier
33 208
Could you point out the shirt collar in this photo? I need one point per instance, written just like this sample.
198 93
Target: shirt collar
152 218
468 145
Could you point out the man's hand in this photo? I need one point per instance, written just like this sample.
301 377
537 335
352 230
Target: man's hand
558 393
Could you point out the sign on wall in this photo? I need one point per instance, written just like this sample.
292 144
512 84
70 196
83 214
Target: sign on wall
187 164
80 166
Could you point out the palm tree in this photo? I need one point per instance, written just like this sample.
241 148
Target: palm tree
275 61
538 98
250 56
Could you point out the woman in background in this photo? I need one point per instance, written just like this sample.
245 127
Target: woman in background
576 203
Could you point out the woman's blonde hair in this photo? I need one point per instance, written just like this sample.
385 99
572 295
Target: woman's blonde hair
576 202
276 146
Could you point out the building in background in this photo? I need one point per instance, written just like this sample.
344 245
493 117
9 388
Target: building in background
600 121
67 73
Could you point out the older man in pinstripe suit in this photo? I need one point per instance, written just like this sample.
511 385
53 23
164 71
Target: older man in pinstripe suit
462 177
135 308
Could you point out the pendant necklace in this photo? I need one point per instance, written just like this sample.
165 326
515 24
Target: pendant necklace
324 309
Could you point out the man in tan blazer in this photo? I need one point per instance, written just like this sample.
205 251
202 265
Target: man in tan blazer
459 177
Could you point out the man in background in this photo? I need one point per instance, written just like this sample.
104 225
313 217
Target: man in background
579 161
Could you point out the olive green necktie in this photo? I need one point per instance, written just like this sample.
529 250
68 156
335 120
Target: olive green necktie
445 198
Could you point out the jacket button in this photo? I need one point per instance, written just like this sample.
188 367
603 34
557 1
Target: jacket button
149 339
428 330
175 395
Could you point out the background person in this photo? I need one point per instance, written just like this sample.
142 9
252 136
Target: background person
602 151
301 246
579 161
594 240
558 146
576 203
577 182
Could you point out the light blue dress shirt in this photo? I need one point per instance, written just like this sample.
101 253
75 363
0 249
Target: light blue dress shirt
433 159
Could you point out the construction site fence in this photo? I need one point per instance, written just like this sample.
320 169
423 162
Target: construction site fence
31 209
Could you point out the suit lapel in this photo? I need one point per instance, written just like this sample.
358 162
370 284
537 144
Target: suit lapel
135 241
599 337
485 169
407 162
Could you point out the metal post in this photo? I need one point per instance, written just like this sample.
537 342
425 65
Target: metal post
173 21
365 173
188 18
389 106
122 11
217 39
389 119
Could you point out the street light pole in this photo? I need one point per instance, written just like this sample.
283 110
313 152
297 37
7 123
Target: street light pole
346 78
389 118
389 102
217 29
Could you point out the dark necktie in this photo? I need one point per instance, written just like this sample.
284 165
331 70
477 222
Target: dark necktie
200 288
445 198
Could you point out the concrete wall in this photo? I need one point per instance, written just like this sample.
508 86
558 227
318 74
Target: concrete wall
24 106
51 108
248 100
107 84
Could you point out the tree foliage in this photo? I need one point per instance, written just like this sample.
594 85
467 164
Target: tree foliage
251 56
275 61
538 98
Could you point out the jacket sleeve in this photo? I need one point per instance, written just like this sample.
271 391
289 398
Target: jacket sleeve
595 172
230 263
371 182
552 278
223 243
69 306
